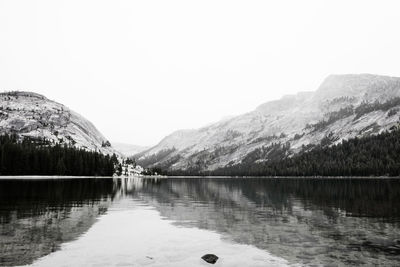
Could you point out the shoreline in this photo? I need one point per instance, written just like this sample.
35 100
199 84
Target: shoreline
43 177
288 177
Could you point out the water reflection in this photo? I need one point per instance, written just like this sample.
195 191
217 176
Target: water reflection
36 216
308 221
311 221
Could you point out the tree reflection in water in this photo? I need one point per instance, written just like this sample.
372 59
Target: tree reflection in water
37 215
314 221
311 221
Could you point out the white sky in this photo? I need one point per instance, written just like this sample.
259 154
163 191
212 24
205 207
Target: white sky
140 70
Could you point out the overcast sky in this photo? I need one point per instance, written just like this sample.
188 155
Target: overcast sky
140 70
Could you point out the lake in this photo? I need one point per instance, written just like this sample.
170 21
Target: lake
175 221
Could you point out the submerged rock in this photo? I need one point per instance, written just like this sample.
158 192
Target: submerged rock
210 258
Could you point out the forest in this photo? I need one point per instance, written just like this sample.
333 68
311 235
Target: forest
27 156
374 155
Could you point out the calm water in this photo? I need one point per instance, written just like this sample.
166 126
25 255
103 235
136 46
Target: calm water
173 222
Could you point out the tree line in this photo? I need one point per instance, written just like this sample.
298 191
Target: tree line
28 156
374 155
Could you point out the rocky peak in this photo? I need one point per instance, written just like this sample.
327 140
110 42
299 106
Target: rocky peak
32 115
24 94
344 106
364 87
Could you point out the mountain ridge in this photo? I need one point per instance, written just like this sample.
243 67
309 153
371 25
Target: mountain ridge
343 106
29 114
128 149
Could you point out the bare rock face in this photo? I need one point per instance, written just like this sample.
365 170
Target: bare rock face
210 258
32 115
343 107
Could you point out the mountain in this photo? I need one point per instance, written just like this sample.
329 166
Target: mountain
32 115
128 149
343 107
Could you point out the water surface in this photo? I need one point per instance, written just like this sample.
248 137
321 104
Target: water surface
173 222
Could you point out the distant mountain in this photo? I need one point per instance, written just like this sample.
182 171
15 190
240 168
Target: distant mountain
128 149
29 114
343 107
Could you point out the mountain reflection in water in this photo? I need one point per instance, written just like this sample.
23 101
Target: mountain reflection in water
37 215
312 221
307 221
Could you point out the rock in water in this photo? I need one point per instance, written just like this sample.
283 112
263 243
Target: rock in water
210 258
